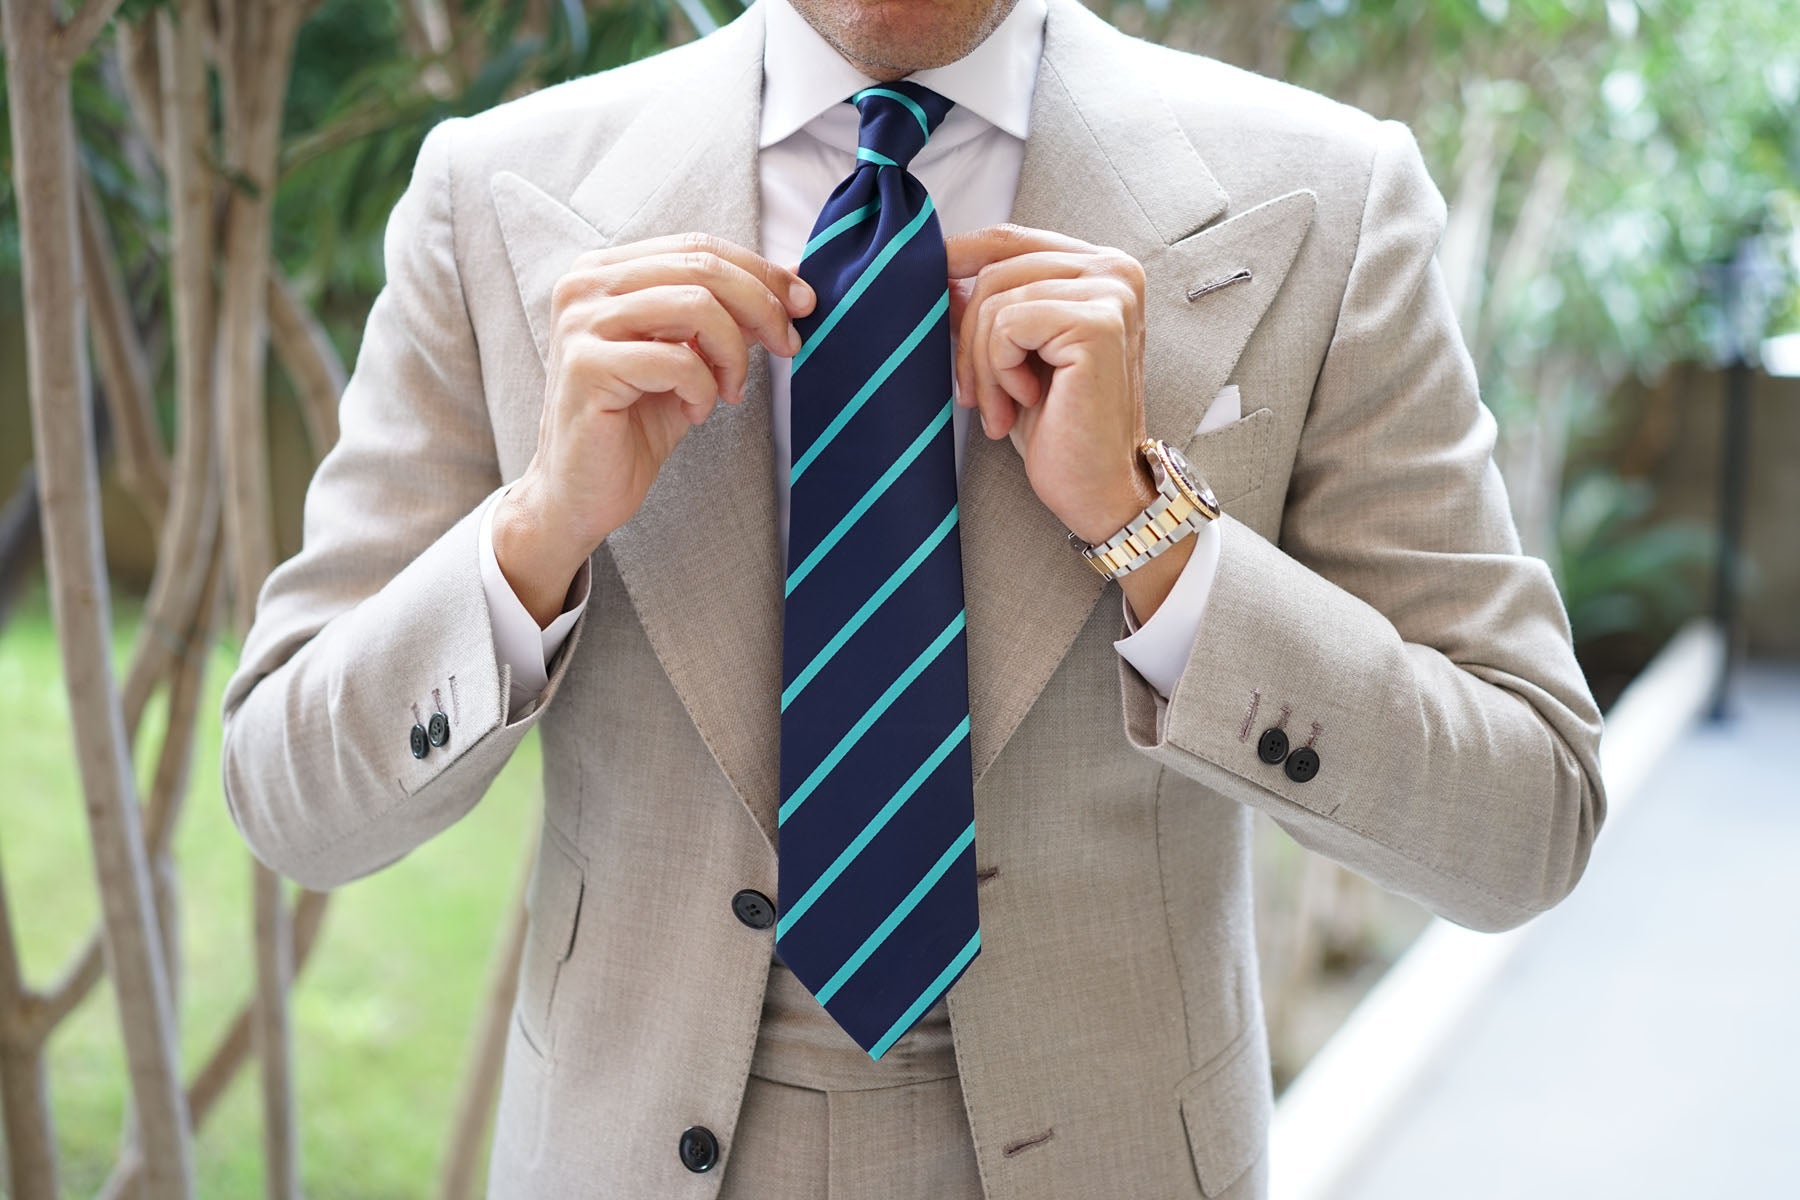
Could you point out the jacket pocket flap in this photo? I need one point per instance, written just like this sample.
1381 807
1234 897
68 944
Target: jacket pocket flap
1226 1107
1233 456
553 905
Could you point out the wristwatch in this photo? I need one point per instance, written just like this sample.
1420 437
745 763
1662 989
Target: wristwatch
1183 504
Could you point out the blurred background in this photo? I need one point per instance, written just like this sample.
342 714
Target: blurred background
1623 179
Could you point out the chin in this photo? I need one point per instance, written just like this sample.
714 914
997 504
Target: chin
897 35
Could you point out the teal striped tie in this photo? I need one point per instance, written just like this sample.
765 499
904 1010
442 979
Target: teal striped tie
877 846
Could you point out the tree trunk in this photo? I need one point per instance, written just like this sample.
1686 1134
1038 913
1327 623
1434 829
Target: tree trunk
30 1141
274 958
310 360
44 161
457 1173
139 457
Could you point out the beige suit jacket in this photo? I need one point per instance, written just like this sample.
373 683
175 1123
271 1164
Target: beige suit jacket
1371 599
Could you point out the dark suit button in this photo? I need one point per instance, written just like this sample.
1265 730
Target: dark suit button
753 909
699 1148
438 729
1302 764
1272 747
421 745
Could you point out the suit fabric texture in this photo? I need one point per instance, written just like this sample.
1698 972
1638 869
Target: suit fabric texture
1370 600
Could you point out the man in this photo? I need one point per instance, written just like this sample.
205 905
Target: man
585 409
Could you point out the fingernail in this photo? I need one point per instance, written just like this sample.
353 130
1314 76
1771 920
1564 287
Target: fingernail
984 427
793 338
799 294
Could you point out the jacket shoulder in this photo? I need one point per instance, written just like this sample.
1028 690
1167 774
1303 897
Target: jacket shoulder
557 132
1258 133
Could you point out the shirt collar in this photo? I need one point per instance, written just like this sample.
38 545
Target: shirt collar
803 75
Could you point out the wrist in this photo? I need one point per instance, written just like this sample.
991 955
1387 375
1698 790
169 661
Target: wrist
538 563
1136 493
1147 587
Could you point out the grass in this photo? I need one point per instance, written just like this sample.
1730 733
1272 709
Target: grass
382 1014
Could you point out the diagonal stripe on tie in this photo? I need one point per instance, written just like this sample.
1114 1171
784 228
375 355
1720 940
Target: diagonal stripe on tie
871 716
877 822
811 340
881 375
888 587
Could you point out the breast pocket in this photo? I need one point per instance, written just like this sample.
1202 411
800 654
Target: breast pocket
1234 456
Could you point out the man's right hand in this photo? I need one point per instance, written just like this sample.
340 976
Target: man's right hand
645 339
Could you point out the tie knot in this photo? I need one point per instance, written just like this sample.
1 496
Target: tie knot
897 119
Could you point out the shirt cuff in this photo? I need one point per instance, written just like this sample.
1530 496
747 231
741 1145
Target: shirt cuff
519 643
1159 648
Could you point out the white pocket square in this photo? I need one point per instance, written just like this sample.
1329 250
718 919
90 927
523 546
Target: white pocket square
1226 407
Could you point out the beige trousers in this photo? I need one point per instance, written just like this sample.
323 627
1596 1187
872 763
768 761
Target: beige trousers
823 1121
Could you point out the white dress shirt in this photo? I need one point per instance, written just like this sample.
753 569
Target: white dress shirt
970 166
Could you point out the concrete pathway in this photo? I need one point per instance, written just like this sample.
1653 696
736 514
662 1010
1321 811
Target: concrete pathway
1643 1040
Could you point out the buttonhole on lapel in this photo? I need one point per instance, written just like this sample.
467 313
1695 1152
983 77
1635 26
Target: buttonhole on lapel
1028 1143
1241 275
986 873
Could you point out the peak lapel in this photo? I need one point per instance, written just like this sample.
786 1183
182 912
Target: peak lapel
1107 162
701 559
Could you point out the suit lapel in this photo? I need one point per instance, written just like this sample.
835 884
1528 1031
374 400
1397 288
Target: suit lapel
701 559
1105 162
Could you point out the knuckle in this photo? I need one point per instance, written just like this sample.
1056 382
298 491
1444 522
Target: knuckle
569 323
1133 271
570 288
1112 320
693 296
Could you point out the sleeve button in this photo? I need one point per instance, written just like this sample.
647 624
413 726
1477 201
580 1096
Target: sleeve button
438 730
1273 746
1302 764
421 743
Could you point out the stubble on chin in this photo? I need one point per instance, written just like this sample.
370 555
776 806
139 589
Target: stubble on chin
892 51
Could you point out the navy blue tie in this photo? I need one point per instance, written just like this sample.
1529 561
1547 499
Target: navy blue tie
877 845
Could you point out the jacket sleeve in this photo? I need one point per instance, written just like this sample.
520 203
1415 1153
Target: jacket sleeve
1395 629
381 620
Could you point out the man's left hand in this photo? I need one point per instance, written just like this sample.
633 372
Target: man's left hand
1050 347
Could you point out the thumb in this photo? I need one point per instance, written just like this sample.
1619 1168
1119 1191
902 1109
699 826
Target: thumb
960 292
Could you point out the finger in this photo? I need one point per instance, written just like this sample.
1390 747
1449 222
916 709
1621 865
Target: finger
960 290
1003 276
1054 329
1037 264
618 374
745 296
1011 373
683 313
966 253
795 294
972 371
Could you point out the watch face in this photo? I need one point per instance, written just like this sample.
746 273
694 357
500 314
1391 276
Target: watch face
1188 479
1178 460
